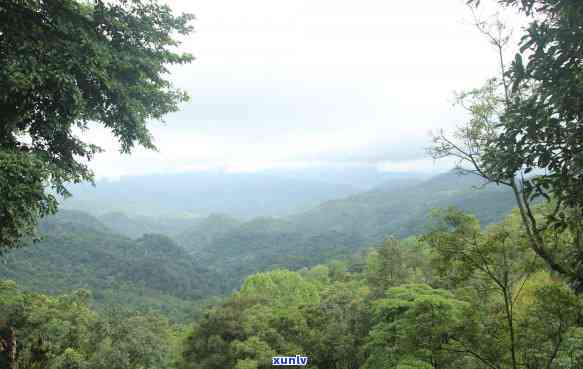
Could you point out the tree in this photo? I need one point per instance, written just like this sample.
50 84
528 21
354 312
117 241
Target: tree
121 339
517 317
386 267
64 332
253 353
548 327
63 65
413 326
338 326
496 261
209 344
22 196
280 288
526 127
544 121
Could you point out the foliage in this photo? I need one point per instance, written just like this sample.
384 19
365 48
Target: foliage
497 273
526 130
68 63
335 229
458 297
63 332
22 197
77 251
80 251
385 267
415 321
281 288
256 324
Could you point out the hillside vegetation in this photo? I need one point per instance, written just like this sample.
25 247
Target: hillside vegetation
216 253
404 304
77 251
336 228
362 270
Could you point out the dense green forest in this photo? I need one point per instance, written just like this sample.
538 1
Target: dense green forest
215 254
479 268
64 332
77 251
337 228
459 295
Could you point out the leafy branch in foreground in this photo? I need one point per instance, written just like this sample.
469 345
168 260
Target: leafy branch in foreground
526 128
64 64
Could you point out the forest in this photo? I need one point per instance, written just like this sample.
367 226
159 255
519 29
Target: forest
459 295
477 267
122 260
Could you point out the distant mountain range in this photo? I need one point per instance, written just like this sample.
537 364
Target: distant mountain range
336 228
242 195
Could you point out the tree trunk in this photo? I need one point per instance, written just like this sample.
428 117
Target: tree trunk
11 348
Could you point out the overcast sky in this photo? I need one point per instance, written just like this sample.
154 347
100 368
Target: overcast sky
293 83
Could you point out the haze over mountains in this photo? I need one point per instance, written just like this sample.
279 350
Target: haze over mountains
242 195
137 259
336 228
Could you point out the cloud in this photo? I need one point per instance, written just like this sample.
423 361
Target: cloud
320 81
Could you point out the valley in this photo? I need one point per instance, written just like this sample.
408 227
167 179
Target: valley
173 265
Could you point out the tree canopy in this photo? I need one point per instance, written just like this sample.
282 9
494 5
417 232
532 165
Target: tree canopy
65 65
526 127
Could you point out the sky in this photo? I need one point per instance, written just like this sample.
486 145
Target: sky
279 84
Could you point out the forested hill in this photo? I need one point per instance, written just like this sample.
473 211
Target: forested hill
78 251
134 226
403 212
336 228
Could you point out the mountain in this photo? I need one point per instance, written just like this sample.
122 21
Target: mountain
242 195
72 221
77 251
204 231
212 255
134 226
403 212
336 228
